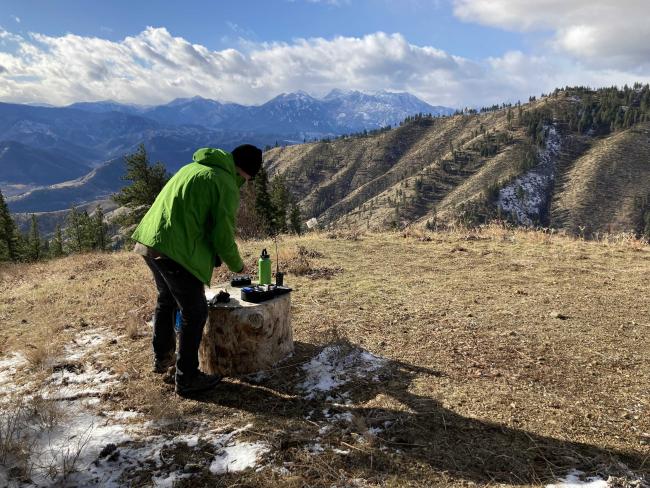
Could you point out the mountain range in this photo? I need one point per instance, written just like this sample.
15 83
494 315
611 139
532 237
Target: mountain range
55 157
576 160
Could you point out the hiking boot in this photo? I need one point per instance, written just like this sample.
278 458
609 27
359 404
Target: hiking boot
161 366
195 384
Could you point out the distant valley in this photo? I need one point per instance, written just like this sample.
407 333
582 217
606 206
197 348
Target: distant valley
66 156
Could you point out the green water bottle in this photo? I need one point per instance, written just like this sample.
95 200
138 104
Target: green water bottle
265 268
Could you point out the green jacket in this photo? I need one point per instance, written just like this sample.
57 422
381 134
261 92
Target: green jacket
192 219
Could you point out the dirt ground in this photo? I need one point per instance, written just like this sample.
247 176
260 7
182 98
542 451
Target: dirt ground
507 357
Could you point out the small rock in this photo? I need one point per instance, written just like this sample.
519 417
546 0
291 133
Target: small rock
558 315
192 468
71 277
113 342
108 450
23 321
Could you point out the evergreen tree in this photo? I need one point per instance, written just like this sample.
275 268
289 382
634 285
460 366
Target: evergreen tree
79 236
33 248
263 204
56 246
9 237
147 181
279 202
99 229
295 219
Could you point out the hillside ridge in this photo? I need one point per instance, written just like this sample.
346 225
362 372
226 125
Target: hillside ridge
546 163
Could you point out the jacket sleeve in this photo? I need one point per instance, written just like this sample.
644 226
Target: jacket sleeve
224 211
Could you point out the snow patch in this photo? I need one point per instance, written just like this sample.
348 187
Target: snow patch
78 381
238 457
573 480
314 448
82 345
526 198
112 469
335 366
78 439
8 369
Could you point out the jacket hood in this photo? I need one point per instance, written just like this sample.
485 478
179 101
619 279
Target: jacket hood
210 156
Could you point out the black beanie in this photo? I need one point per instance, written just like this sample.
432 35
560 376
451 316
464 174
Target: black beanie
248 158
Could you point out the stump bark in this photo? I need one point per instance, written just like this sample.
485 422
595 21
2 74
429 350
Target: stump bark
242 337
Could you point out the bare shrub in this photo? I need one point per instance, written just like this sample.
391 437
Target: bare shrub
301 264
249 224
39 356
346 235
416 233
16 446
46 413
133 328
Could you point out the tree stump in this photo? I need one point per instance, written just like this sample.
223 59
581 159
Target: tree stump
241 337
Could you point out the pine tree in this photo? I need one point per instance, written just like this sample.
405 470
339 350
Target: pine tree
280 203
56 246
79 231
263 204
33 250
147 181
99 229
9 237
295 219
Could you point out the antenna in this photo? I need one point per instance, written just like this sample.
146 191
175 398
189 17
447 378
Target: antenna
277 256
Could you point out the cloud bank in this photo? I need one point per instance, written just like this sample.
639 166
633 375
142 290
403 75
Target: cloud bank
155 66
604 34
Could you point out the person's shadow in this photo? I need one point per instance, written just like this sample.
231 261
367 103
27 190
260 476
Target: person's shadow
410 431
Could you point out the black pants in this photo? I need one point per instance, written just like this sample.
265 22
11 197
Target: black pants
178 289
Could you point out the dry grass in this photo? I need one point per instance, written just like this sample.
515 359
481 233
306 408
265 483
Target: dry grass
513 355
40 355
133 327
607 189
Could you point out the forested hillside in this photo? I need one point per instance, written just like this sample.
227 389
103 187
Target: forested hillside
574 159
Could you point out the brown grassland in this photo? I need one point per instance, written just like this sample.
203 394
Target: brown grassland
514 356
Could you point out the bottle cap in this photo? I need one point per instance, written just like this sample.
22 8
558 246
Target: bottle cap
264 254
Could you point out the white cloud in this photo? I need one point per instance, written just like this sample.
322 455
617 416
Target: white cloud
599 33
155 67
16 19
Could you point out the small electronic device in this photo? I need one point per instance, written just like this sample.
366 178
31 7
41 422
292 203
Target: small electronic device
262 293
239 281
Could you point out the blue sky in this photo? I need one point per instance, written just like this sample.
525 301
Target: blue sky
218 25
448 52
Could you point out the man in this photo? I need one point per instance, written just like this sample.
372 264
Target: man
189 229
